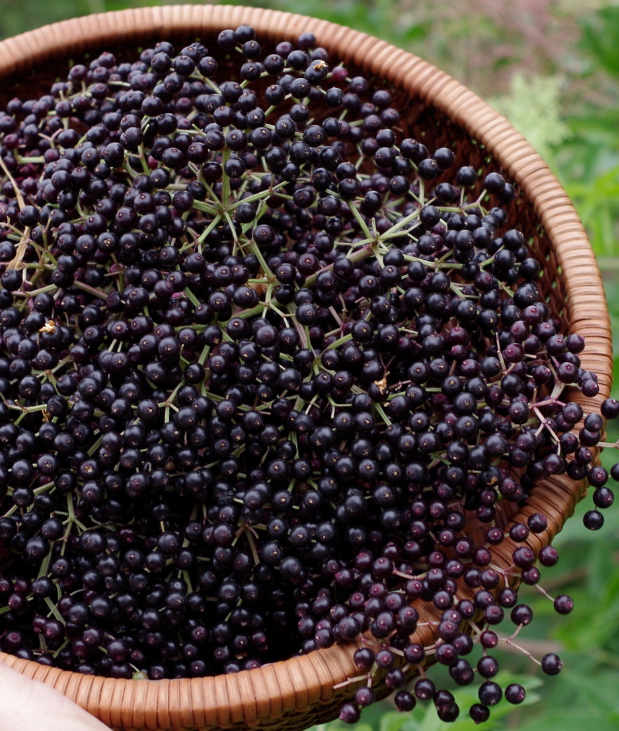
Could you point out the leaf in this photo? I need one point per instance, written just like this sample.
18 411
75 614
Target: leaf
601 37
417 32
393 721
597 203
601 696
565 720
532 106
601 568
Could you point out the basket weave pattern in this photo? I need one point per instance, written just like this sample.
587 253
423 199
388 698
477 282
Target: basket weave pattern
438 111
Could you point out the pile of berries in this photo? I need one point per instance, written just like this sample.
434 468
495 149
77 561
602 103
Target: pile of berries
262 358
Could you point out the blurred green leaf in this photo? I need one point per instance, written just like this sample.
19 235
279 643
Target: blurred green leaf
597 202
567 720
603 696
533 107
393 721
601 36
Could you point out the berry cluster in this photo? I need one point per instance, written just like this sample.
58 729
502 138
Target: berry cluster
260 361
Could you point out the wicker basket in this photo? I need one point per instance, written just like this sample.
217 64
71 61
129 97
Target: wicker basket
300 692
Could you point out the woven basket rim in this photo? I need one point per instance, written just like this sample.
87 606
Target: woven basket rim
295 686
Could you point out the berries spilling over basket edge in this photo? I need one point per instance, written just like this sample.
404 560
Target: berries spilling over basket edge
260 373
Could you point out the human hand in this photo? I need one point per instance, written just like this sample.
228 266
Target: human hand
29 705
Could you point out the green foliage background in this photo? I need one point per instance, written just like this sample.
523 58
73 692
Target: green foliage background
551 67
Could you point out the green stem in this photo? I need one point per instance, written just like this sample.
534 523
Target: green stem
257 196
191 296
210 227
91 290
339 342
205 207
360 221
225 184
